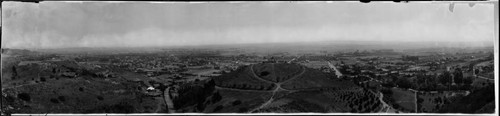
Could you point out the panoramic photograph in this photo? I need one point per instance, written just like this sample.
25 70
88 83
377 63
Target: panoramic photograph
249 58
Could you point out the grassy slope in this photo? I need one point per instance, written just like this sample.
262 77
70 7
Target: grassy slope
248 100
241 77
124 93
405 99
316 79
472 102
355 100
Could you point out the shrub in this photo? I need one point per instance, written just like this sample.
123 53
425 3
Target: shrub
217 96
237 102
265 73
219 107
61 98
42 79
54 100
242 110
386 91
100 98
24 96
10 99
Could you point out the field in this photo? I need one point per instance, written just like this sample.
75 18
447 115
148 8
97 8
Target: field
432 102
403 99
237 101
243 79
311 91
276 72
315 79
315 64
332 100
201 71
83 94
480 82
486 63
265 71
286 71
165 78
132 76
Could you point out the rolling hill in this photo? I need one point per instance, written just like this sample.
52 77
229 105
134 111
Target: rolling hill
280 87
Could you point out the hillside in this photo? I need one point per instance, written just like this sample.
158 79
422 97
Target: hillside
67 87
280 87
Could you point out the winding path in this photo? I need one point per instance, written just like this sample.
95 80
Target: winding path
168 100
385 106
278 86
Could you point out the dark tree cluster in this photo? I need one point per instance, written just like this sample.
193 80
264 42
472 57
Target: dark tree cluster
24 96
472 102
197 94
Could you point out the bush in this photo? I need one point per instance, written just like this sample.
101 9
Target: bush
216 97
61 98
219 107
100 98
237 102
122 107
242 110
42 79
265 73
386 91
10 99
24 96
54 100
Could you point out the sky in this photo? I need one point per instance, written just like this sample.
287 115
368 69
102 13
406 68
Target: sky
143 24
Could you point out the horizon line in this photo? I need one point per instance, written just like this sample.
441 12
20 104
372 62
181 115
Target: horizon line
256 43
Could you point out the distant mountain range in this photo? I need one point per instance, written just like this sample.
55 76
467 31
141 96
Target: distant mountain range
8 51
332 46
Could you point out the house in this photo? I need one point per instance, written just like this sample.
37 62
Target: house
150 88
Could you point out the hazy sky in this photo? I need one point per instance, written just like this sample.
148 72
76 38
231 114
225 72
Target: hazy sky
135 24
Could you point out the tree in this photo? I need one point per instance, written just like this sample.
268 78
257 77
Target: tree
245 86
54 100
216 97
100 98
242 110
43 79
404 83
476 71
24 96
458 76
445 78
237 102
61 98
14 72
219 107
386 91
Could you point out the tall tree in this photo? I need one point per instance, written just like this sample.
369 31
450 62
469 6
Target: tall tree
14 72
458 76
445 78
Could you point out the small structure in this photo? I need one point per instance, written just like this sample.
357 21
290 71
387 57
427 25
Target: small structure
150 88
